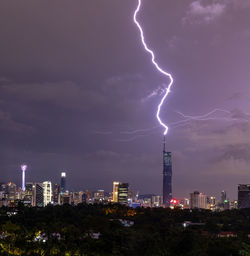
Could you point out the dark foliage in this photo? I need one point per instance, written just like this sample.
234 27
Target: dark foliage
98 230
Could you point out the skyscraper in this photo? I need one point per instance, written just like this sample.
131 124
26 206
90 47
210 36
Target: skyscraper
115 191
63 183
39 194
198 200
223 196
47 192
123 193
167 176
243 196
56 194
34 194
11 191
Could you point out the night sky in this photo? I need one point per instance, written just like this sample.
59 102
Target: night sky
75 82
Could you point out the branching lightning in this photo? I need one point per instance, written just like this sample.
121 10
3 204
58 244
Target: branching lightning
167 90
212 115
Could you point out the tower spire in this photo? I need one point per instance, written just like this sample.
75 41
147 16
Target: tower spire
164 143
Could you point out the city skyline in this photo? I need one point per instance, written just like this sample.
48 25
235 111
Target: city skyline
79 93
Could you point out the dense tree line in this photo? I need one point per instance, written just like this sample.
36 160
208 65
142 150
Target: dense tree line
97 230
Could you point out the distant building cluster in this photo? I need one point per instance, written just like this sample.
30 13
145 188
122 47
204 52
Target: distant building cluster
41 194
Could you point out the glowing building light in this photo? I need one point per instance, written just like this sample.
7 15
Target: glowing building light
23 168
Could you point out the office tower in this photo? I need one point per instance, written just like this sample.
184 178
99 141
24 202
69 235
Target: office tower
63 183
34 194
47 192
123 193
167 176
198 200
77 197
56 194
38 194
29 198
243 196
115 191
23 168
11 190
223 196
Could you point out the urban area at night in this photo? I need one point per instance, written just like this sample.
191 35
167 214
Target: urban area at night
125 128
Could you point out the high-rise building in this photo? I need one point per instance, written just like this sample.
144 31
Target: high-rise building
63 183
77 197
123 193
11 191
39 194
56 194
198 200
167 176
47 192
243 196
223 196
28 198
34 194
115 191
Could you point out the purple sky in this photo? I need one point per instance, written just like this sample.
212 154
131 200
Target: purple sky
74 79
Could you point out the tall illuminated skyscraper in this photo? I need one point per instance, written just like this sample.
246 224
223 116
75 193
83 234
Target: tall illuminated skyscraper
123 193
115 191
34 194
47 192
63 183
167 176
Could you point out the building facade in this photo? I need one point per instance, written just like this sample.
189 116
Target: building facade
47 193
167 177
243 196
63 183
123 193
56 194
198 200
11 190
115 191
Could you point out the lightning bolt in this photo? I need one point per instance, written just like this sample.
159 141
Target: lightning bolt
169 76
